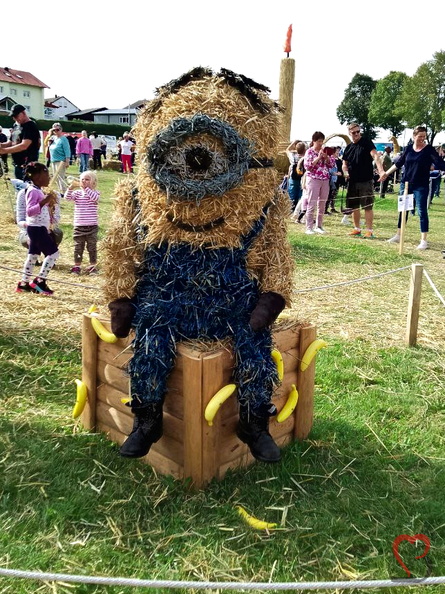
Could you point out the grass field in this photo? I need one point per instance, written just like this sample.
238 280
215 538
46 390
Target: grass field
373 467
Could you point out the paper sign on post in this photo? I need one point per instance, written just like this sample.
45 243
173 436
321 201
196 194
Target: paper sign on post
405 203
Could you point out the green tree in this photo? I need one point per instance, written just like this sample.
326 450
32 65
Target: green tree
422 100
382 111
355 104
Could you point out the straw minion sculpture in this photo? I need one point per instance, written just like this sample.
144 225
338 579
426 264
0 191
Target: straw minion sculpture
197 248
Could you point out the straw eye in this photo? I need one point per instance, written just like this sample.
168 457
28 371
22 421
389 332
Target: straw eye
198 157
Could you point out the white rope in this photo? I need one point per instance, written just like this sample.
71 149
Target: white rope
55 280
433 286
238 586
351 282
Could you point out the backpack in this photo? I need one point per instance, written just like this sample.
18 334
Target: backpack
297 169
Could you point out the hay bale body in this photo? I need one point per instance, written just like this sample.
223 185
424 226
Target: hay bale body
111 165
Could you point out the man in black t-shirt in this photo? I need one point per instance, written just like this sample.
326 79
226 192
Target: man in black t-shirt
24 148
358 158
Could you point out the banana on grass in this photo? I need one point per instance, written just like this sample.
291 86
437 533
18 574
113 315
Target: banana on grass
255 522
217 400
290 405
99 328
311 351
278 360
81 398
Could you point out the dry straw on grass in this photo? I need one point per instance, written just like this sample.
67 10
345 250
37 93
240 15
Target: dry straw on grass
373 311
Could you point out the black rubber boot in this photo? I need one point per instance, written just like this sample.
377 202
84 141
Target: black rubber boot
147 429
254 431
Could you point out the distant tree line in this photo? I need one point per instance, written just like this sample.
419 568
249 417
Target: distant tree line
398 101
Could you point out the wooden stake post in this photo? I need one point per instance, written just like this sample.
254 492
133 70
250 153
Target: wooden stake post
415 290
190 448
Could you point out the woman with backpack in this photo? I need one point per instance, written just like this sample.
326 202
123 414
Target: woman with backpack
295 153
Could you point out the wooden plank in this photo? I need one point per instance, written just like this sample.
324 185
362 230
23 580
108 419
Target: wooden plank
117 379
167 445
213 379
113 376
173 427
116 354
112 397
291 359
304 413
192 395
246 459
415 290
89 365
285 340
159 462
230 447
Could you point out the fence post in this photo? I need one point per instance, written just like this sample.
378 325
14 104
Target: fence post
415 290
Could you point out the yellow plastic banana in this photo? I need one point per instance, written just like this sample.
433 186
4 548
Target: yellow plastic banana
92 308
101 331
290 405
81 398
255 522
278 359
311 351
217 400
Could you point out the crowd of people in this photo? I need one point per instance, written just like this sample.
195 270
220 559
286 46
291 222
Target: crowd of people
38 198
316 173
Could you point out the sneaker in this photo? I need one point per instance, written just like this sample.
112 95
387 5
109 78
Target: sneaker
356 233
92 270
310 232
75 270
423 245
368 235
334 211
23 287
345 220
320 230
395 239
40 287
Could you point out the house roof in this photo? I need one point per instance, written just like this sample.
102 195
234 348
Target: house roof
124 111
85 111
20 77
136 104
57 97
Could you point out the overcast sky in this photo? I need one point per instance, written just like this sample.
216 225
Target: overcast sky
113 53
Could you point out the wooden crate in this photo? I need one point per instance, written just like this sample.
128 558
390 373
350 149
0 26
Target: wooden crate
189 447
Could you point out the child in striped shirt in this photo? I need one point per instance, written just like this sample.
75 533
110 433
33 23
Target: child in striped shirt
86 224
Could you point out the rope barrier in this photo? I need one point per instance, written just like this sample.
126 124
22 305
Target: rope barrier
55 280
433 286
238 586
351 282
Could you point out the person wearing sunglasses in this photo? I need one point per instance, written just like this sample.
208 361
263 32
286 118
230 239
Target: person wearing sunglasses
358 168
60 153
